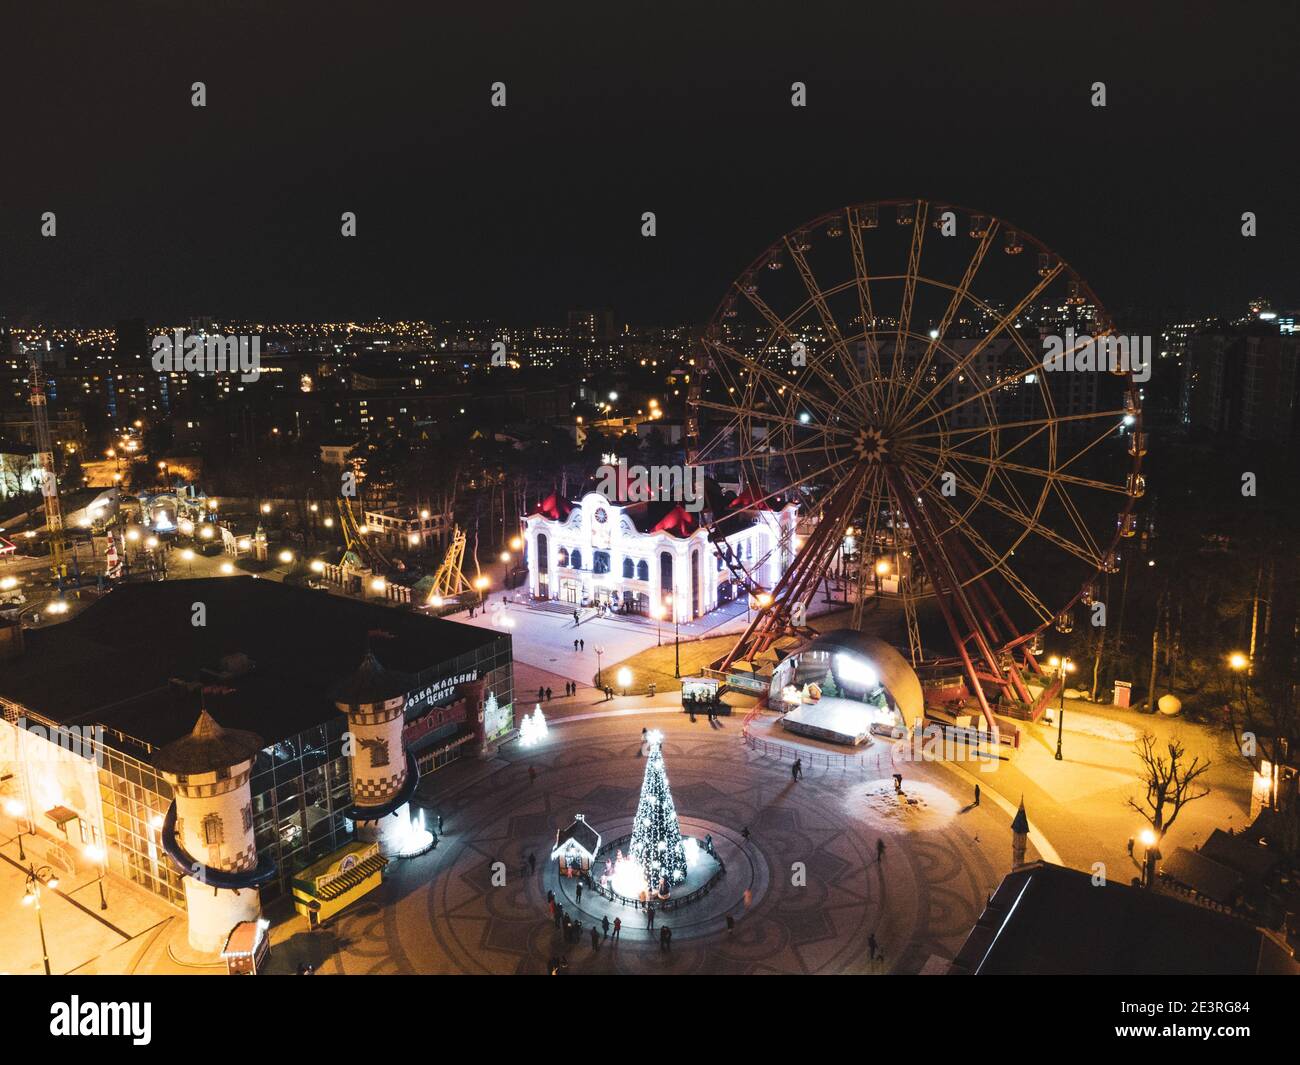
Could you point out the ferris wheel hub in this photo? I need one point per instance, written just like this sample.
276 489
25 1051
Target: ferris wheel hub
871 445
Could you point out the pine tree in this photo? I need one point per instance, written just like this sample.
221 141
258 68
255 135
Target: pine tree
656 836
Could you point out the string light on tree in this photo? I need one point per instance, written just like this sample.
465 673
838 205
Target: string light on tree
533 729
656 836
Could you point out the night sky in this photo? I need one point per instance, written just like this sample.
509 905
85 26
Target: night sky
167 211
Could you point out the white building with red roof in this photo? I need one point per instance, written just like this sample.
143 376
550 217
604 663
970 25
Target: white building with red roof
636 556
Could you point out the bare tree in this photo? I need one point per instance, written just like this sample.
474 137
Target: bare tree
1170 785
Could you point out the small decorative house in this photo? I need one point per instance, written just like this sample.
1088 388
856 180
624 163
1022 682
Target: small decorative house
576 847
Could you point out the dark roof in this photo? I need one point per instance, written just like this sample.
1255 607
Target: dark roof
1021 823
1203 875
1111 930
1255 863
134 662
581 833
207 748
371 683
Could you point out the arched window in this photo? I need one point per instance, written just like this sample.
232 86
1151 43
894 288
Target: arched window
600 562
666 572
563 556
629 569
643 571
575 558
543 556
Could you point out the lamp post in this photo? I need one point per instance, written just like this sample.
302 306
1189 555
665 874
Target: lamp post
480 585
599 651
624 678
38 878
658 614
677 641
1062 666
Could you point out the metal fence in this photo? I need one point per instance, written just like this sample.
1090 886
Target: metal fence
670 903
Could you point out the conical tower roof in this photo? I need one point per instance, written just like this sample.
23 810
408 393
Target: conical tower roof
207 748
371 684
1021 822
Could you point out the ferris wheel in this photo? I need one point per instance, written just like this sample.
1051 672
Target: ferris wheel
884 367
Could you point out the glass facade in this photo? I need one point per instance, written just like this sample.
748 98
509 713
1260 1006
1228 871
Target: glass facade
301 786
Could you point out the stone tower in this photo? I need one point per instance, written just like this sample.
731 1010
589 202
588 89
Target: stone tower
384 777
208 831
1019 837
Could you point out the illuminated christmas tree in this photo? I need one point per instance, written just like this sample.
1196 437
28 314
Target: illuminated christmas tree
656 836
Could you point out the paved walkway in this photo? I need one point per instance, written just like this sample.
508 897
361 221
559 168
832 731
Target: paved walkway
456 910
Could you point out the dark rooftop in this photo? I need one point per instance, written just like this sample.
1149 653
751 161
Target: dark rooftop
1047 920
133 661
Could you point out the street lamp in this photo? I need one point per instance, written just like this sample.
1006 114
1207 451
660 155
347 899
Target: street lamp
658 614
624 678
1062 666
599 651
481 585
36 880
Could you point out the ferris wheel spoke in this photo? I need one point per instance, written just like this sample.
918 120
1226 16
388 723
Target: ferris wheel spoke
906 588
981 430
996 562
756 456
774 418
964 363
862 281
779 327
824 312
909 294
771 376
1080 526
959 296
1053 475
1045 533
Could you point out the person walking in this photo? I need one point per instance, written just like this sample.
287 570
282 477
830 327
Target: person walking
532 862
796 770
579 890
650 916
548 695
747 897
540 693
577 931
604 924
663 938
582 645
880 850
550 906
872 945
550 897
731 923
440 824
575 647
559 915
595 938
977 794
744 833
618 926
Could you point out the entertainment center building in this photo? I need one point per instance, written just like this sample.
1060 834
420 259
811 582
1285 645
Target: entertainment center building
93 707
632 556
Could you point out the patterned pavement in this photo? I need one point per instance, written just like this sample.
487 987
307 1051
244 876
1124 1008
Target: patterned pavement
818 890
